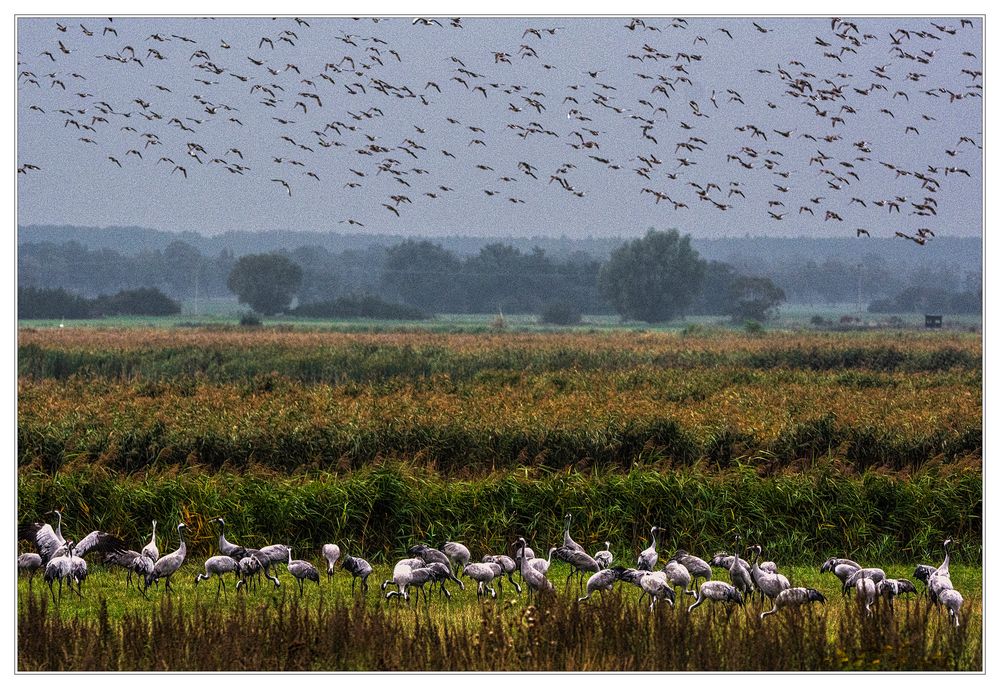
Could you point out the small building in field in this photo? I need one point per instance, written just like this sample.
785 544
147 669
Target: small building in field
932 321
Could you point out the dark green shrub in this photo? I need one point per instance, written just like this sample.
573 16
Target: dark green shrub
560 313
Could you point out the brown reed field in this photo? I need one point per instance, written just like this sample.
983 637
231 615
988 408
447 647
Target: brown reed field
865 445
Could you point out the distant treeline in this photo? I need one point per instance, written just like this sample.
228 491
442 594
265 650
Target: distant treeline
58 303
433 278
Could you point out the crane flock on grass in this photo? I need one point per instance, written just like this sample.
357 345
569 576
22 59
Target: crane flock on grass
427 570
389 115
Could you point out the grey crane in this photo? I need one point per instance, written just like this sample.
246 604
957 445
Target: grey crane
60 568
428 554
166 566
535 580
698 568
358 568
604 558
842 569
890 588
770 584
952 601
237 552
217 565
832 563
269 556
601 581
249 569
940 580
717 592
50 542
648 557
484 573
401 569
457 553
678 575
509 567
416 578
657 587
794 597
579 562
725 561
540 563
331 553
440 574
568 542
46 539
150 550
922 573
302 570
739 574
873 573
132 562
867 589
29 563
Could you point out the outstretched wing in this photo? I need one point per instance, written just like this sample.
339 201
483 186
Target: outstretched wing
98 541
44 538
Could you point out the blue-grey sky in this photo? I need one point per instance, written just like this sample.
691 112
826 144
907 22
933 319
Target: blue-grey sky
598 109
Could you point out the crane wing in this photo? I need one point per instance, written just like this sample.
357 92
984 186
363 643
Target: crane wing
44 538
98 541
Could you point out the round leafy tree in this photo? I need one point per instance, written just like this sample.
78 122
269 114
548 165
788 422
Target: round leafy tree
652 279
267 282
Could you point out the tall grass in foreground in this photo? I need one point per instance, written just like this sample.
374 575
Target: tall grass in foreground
613 633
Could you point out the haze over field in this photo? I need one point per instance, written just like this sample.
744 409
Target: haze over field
563 126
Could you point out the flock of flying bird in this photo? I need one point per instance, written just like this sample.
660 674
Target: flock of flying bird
62 560
330 121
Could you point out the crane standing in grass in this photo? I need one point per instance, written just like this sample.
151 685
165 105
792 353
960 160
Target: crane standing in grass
358 568
648 557
331 553
166 566
458 554
217 566
794 597
535 580
302 570
604 557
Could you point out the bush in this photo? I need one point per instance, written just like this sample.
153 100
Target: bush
250 319
753 328
58 303
137 302
51 303
560 313
362 306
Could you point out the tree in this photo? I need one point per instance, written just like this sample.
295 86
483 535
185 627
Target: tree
652 279
714 297
754 298
267 282
422 274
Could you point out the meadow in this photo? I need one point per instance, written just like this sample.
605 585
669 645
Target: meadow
865 445
329 628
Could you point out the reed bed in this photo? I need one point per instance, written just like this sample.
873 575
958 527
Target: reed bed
613 633
377 512
311 357
505 419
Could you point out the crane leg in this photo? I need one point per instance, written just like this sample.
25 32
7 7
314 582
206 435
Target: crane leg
516 586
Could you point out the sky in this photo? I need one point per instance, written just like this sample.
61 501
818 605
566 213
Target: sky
624 124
